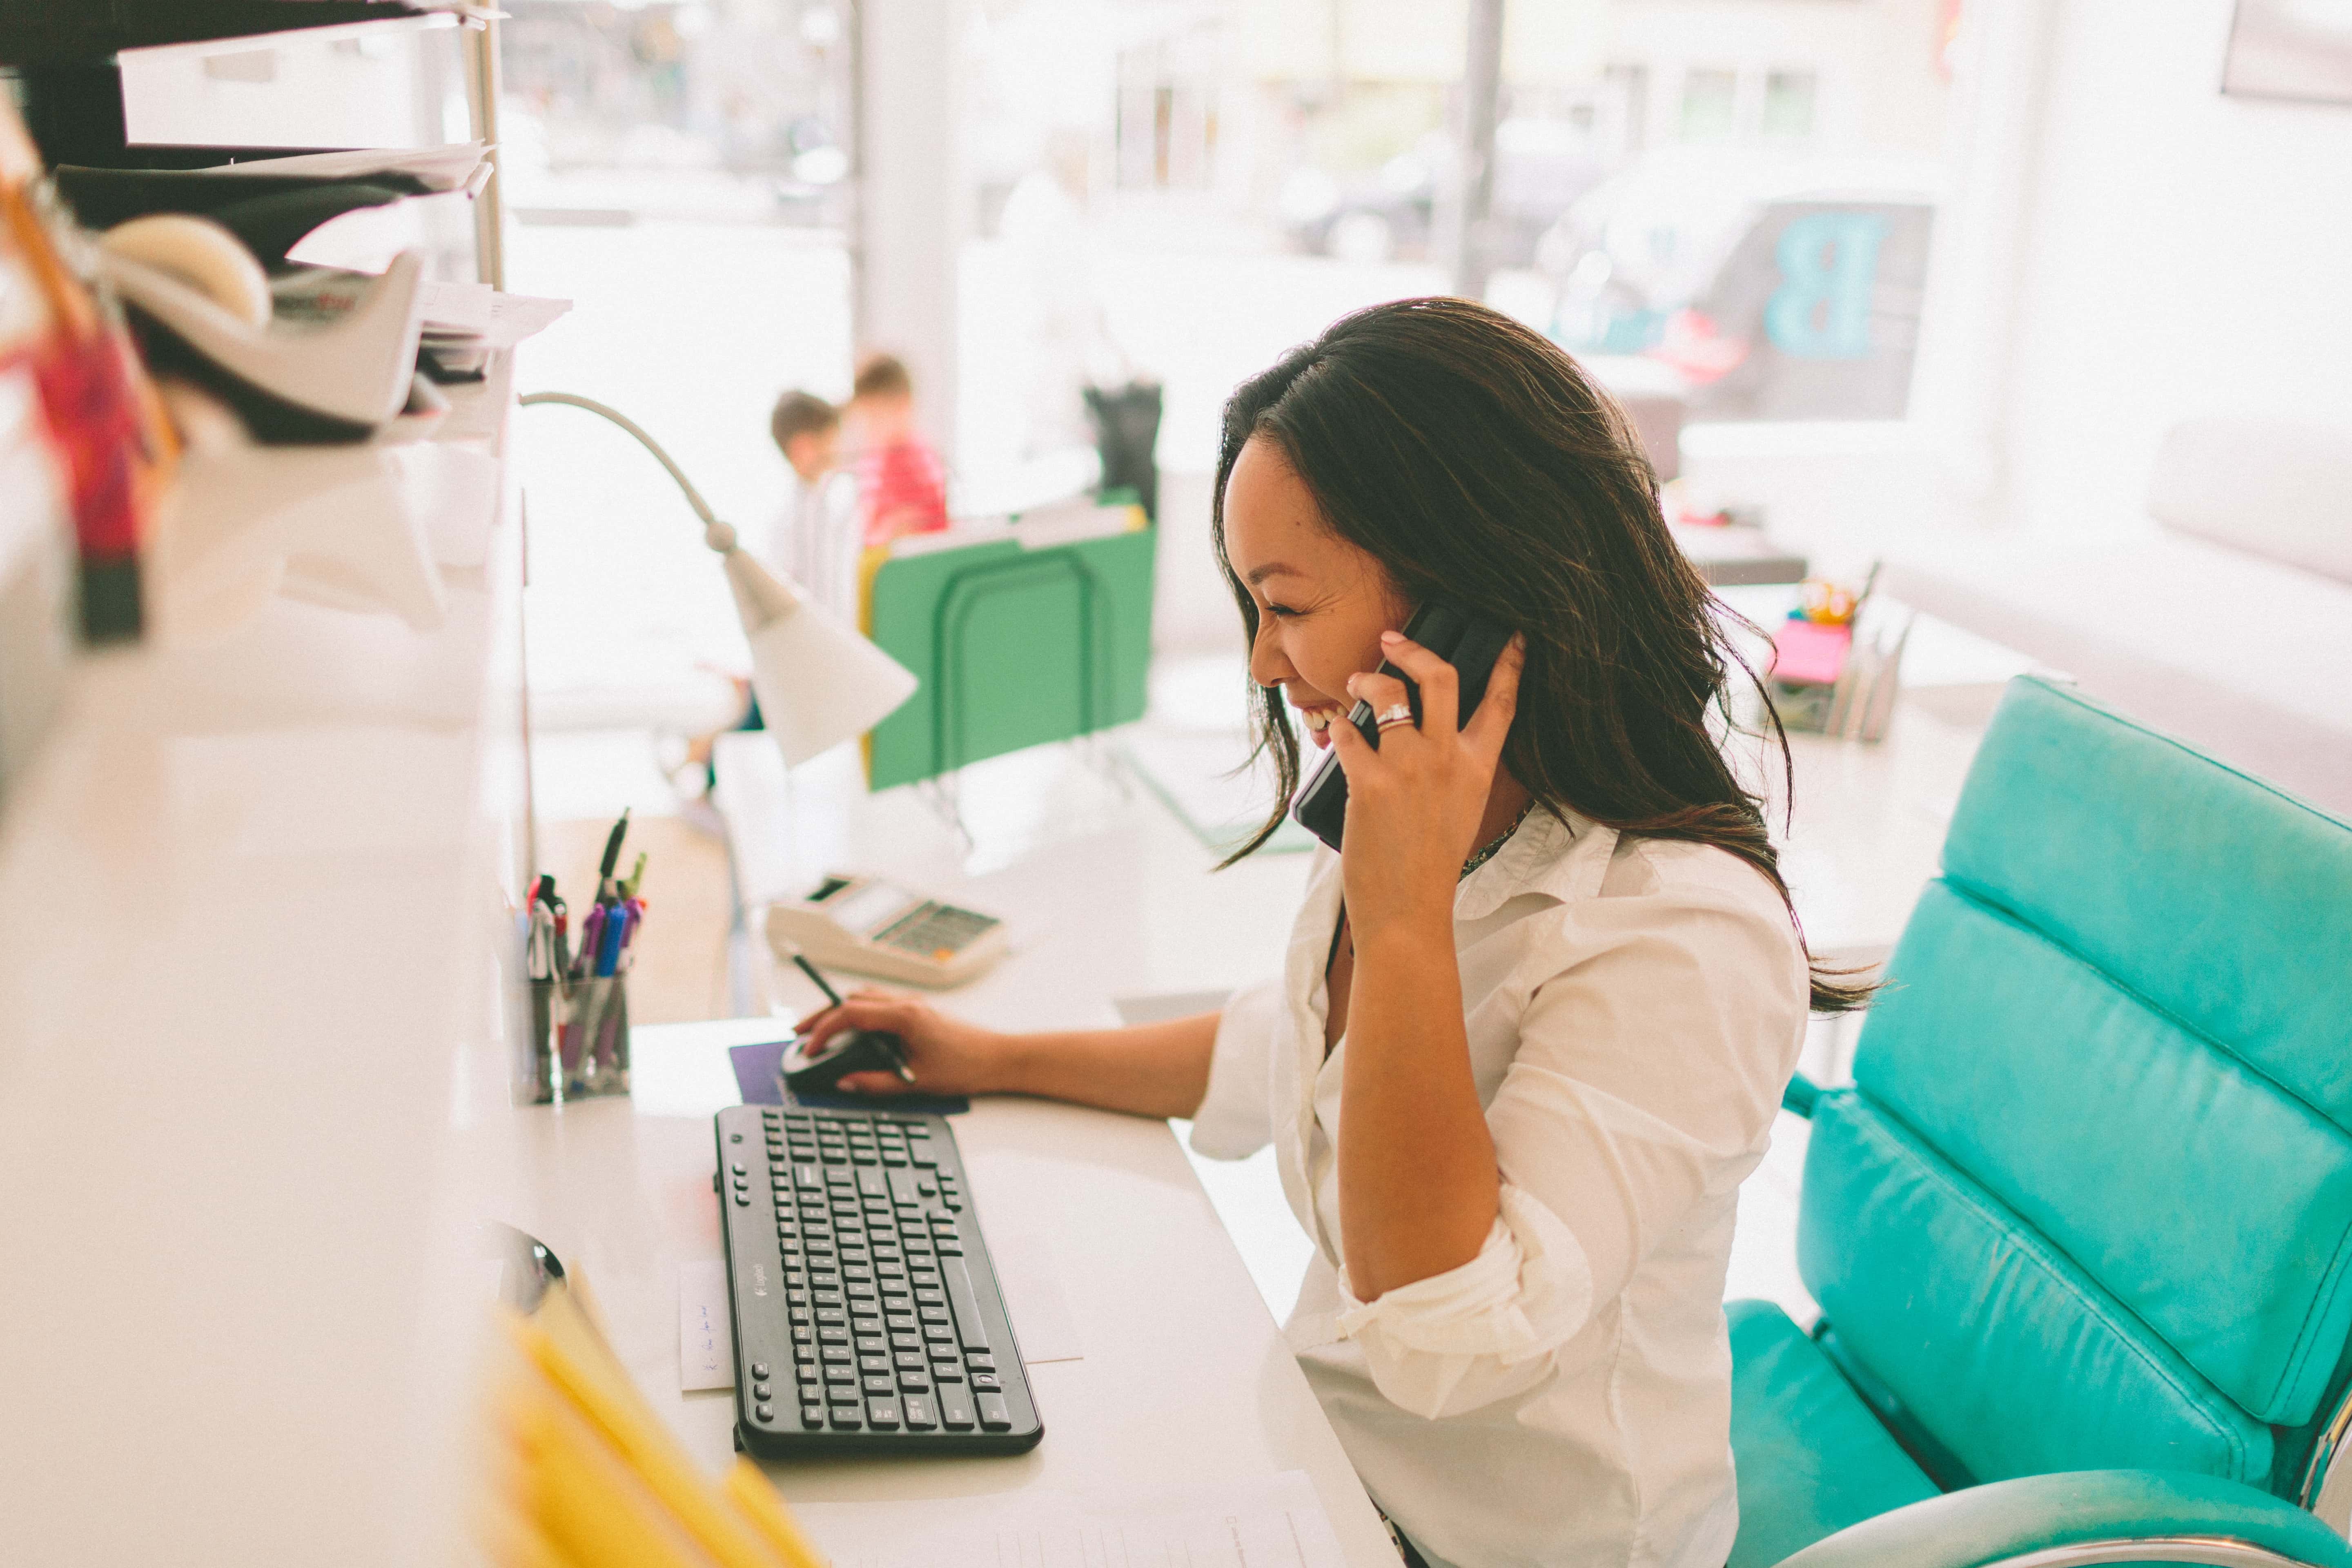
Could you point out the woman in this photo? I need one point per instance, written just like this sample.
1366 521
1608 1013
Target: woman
1535 1019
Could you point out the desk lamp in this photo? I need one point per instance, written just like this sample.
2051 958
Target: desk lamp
818 681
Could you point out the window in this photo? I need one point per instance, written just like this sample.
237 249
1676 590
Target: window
1788 105
1709 103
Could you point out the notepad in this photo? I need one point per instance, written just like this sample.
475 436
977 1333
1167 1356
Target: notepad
1269 1521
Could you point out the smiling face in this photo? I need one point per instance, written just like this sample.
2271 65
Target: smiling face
1322 603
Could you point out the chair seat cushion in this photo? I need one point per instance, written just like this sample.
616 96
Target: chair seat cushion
1810 1455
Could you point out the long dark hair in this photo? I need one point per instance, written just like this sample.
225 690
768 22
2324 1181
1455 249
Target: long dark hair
1478 464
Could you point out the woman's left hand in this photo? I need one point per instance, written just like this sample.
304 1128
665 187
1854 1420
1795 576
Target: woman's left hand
1414 805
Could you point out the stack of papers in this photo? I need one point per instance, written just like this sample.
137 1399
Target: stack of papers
1272 1521
462 165
464 322
467 322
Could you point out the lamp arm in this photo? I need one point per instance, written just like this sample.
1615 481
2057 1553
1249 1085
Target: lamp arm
693 497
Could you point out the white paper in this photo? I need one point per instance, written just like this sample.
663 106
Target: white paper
1269 1521
439 168
706 1335
1034 1299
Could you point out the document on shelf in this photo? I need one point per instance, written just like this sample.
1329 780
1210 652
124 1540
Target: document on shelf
1272 1521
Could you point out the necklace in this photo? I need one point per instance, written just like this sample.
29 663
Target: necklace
1496 843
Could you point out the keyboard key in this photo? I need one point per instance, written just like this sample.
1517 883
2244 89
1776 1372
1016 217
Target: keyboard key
872 1344
761 1392
994 1415
759 1369
883 1414
874 1363
986 1383
955 1410
920 1417
841 1374
848 1417
967 1305
813 1417
980 1363
838 1355
905 1341
832 1336
879 1385
763 1411
934 1315
914 1382
946 1371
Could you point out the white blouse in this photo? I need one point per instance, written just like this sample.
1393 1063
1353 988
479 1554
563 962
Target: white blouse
1634 1007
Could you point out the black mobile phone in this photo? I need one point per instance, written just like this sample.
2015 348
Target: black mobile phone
1462 640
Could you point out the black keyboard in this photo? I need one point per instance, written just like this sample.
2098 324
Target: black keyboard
867 1314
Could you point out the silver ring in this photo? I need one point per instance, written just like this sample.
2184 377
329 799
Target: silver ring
1395 713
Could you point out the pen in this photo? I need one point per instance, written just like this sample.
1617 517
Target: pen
591 932
608 938
612 856
821 983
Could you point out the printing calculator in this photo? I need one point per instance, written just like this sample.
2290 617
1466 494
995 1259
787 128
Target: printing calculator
875 927
868 1317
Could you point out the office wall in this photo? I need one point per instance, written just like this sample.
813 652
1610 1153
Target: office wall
2183 253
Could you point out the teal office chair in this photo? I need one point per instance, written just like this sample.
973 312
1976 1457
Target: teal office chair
2082 1229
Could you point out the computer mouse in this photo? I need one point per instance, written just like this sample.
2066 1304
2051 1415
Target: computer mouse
851 1051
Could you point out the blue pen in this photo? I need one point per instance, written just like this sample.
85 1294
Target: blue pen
608 940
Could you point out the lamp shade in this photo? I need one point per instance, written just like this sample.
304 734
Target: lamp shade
819 682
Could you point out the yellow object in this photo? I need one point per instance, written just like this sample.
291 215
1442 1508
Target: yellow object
758 1501
1827 604
590 1478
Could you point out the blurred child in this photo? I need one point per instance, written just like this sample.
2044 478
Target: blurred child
901 484
815 541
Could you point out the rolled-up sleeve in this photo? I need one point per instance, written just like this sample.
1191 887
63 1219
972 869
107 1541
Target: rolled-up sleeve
1485 1330
1236 1115
1650 1061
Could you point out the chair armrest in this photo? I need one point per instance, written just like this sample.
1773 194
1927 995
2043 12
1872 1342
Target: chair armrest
2050 1520
1800 1096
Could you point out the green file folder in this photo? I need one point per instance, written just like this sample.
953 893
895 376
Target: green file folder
1014 646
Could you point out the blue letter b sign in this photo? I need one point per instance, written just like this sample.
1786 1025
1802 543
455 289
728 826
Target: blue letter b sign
1828 263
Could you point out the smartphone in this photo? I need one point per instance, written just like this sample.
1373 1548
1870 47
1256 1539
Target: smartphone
1462 640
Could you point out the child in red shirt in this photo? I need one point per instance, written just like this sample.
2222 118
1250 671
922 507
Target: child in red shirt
902 483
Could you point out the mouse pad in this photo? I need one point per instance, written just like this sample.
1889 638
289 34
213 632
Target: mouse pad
755 1076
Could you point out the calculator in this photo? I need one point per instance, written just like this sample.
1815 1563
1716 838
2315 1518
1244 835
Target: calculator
875 927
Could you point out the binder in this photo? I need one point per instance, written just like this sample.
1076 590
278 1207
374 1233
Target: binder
1017 642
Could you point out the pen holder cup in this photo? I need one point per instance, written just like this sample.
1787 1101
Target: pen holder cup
580 1039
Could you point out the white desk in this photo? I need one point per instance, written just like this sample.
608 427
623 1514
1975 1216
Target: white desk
1184 1377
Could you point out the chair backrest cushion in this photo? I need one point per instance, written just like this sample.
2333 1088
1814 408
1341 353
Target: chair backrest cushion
2117 1031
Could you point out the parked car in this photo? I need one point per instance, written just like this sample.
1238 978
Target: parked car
1779 289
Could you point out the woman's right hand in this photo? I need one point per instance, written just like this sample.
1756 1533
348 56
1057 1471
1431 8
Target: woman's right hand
947 1055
